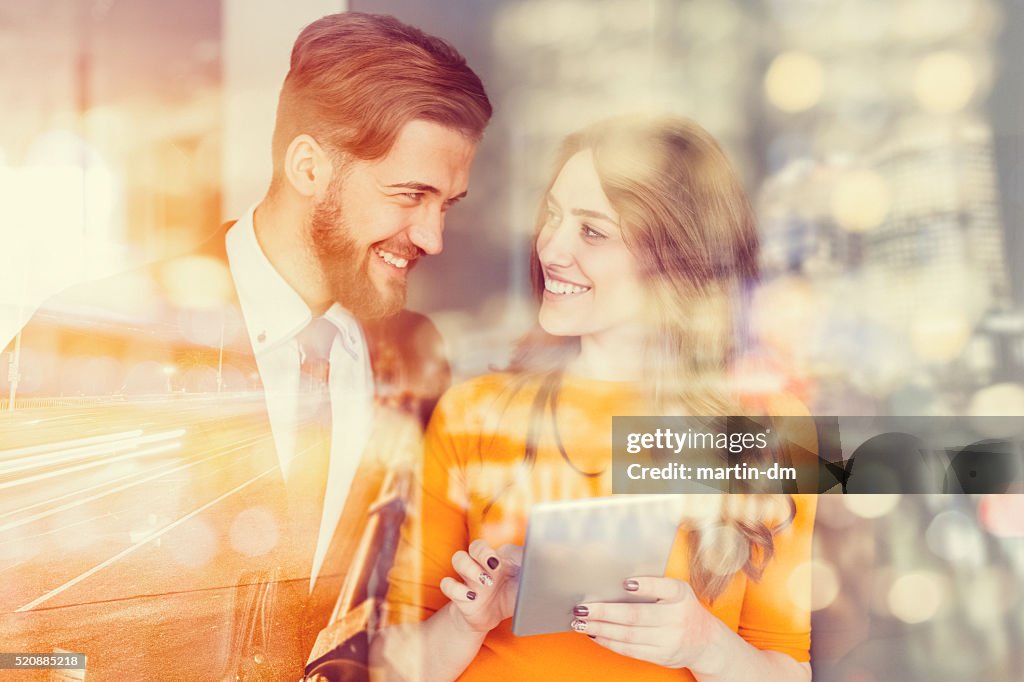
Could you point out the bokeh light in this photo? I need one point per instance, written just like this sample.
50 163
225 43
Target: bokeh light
193 544
198 282
813 585
916 596
254 532
794 81
860 200
944 82
1003 515
954 536
939 334
871 506
998 400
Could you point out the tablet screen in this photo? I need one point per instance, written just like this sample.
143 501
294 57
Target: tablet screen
582 550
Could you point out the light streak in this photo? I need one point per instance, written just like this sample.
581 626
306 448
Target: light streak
83 500
128 550
107 448
90 465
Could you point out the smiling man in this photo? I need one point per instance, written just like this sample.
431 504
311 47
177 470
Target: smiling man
272 379
377 126
376 130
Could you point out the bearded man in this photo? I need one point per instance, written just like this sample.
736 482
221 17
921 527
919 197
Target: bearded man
251 378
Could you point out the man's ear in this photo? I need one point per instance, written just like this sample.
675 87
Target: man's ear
307 166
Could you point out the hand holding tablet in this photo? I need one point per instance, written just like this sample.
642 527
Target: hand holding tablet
577 552
675 631
582 551
487 594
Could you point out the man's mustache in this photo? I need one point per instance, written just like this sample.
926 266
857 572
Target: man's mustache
402 248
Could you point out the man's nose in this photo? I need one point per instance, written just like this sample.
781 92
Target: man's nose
427 233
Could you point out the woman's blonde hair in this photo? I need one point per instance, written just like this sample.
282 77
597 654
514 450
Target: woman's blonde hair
686 219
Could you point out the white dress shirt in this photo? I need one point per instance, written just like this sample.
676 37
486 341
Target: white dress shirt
274 315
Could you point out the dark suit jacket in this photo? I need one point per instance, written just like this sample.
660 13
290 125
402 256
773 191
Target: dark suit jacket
194 565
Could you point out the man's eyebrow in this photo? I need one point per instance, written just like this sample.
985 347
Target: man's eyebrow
418 186
424 187
596 215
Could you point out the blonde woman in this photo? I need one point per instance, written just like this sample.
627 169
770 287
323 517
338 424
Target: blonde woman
643 240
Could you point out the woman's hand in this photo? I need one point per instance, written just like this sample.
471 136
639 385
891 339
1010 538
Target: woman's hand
672 632
487 594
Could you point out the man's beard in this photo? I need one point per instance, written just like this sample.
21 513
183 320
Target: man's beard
346 267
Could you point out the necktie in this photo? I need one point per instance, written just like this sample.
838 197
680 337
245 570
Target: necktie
307 480
315 343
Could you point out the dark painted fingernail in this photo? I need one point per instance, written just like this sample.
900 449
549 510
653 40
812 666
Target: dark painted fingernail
631 585
581 611
471 595
492 563
592 636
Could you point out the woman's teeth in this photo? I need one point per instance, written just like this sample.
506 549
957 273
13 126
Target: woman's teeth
391 259
563 288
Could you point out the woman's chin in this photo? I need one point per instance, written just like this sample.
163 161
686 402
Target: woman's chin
558 325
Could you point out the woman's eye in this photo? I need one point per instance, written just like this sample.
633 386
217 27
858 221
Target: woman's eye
591 233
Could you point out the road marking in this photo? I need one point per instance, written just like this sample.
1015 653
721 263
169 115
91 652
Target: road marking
91 465
79 501
44 447
100 449
125 552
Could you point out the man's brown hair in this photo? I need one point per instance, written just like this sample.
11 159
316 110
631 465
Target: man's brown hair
356 79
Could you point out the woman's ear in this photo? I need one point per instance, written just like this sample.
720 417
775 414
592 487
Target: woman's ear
307 166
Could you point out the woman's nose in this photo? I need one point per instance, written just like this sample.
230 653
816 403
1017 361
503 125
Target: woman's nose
554 246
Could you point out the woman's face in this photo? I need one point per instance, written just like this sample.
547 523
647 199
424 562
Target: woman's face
592 284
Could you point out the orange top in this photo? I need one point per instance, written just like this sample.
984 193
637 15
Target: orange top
474 460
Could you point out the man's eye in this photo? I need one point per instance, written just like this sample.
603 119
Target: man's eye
591 233
412 196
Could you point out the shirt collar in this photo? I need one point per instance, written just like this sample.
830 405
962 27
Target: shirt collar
274 312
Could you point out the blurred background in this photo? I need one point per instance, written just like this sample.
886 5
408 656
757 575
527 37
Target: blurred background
881 142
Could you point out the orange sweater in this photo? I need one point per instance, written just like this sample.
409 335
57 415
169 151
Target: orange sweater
473 459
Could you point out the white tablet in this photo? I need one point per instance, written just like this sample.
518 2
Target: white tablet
582 550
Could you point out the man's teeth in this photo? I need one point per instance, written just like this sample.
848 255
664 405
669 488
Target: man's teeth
556 287
392 259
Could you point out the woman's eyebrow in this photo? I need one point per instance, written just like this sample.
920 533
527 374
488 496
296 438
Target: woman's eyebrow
596 215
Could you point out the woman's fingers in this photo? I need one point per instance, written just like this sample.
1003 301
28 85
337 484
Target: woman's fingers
512 558
482 553
642 652
662 589
625 614
456 591
627 634
470 571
